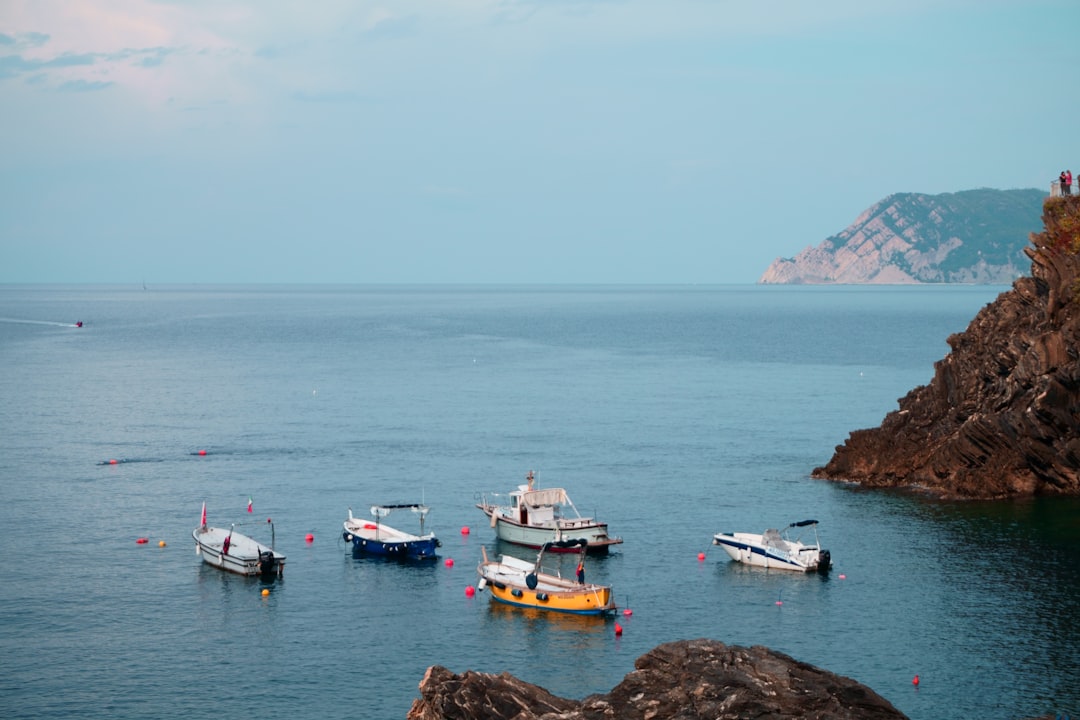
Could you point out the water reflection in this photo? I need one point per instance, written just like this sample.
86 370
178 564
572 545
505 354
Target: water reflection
1007 592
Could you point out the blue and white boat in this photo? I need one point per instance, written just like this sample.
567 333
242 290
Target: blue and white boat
777 549
377 538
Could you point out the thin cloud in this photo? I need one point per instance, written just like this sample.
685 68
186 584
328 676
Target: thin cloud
83 86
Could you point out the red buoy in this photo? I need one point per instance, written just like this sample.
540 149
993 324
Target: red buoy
202 452
915 681
469 591
449 562
628 612
700 556
618 629
465 530
113 461
142 541
309 537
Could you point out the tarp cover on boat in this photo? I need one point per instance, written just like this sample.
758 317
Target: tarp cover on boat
541 498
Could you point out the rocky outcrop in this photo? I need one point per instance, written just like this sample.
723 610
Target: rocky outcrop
685 680
975 236
1001 416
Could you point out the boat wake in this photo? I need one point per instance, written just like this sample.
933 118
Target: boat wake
41 322
127 461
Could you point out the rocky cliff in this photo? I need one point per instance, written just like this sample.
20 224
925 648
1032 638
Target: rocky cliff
975 236
685 680
1001 416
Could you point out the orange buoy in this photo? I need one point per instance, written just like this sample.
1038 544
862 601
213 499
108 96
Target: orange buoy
265 592
161 544
142 541
618 629
449 562
465 530
309 537
469 591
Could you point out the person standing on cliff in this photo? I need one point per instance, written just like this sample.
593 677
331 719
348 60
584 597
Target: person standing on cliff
1061 182
1068 182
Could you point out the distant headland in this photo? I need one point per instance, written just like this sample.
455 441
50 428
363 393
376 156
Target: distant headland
974 236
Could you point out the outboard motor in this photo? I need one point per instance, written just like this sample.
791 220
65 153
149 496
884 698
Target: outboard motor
824 561
267 564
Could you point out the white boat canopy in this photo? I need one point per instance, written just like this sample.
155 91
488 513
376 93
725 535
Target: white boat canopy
543 498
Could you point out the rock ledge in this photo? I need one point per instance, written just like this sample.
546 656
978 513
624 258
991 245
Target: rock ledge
683 680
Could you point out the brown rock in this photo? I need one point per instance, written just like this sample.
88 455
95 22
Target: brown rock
684 680
1001 416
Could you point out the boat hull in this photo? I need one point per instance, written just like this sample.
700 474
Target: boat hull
244 555
750 549
535 536
574 603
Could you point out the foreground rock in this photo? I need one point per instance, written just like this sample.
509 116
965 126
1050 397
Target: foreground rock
685 680
1000 417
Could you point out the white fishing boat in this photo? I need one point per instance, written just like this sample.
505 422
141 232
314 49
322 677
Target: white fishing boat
777 548
531 517
235 552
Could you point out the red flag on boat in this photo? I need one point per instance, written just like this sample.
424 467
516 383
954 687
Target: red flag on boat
249 503
204 513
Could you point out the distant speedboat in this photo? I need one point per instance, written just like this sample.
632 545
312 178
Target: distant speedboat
777 549
532 517
526 584
235 552
379 539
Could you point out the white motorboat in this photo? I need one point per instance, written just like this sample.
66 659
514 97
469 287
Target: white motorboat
777 548
235 552
532 517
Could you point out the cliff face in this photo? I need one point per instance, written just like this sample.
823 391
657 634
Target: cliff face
976 236
1001 416
685 680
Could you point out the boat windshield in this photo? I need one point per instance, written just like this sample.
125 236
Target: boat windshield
771 538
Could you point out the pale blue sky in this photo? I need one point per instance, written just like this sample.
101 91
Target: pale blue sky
473 141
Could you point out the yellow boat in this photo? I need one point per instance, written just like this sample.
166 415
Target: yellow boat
524 584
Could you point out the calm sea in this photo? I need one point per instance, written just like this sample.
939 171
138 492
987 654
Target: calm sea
672 413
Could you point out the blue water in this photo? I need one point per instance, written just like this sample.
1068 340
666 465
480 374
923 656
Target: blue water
672 413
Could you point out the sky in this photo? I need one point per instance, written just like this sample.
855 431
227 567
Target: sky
504 141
